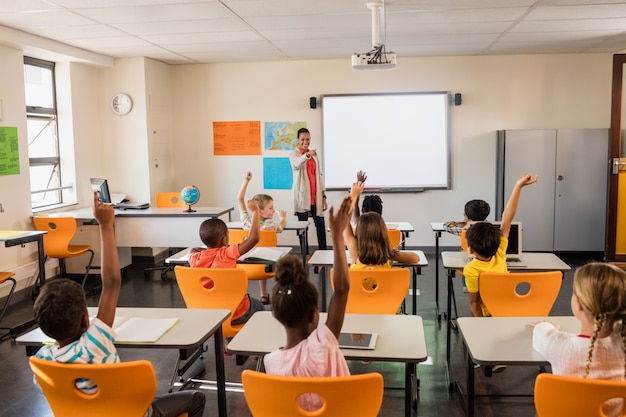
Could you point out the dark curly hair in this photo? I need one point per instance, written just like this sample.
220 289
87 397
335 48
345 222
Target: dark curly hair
484 238
60 307
211 231
293 295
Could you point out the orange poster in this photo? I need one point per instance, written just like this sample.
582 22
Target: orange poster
237 138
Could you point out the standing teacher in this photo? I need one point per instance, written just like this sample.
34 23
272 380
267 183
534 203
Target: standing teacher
308 193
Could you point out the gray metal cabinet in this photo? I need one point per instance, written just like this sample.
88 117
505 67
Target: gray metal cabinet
566 210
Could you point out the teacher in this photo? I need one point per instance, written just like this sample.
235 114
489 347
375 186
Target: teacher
308 192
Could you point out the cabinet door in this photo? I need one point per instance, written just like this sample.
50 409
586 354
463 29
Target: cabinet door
581 185
532 151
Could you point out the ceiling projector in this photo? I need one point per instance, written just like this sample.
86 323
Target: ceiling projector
374 60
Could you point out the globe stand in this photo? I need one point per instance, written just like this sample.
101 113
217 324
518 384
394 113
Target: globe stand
189 210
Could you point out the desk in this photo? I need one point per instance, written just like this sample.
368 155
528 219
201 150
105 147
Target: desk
193 329
457 260
155 226
400 339
502 341
324 259
22 237
437 228
182 257
301 228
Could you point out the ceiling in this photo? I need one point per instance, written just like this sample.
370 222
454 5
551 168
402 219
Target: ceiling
207 31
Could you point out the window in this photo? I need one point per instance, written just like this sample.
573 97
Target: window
43 139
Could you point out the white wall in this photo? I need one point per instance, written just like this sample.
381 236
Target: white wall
499 92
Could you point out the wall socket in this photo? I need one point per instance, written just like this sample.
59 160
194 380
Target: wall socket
1 208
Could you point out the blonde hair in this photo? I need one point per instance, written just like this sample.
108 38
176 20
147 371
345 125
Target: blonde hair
373 240
262 200
601 290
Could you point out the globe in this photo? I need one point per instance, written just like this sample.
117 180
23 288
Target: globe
190 195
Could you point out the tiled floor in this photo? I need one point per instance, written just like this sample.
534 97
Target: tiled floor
19 396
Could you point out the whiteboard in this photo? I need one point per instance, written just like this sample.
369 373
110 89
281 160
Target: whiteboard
401 140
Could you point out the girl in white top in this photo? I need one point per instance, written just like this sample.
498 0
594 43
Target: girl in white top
599 302
311 349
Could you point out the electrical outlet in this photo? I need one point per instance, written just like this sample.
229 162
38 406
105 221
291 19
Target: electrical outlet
1 208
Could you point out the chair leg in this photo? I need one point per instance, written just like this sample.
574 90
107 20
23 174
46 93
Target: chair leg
88 267
8 300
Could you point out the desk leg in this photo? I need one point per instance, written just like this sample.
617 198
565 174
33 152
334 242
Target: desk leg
470 385
414 271
408 394
449 322
220 373
322 278
41 258
437 236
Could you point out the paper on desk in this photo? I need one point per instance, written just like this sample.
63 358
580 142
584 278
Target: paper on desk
262 253
117 198
143 330
4 234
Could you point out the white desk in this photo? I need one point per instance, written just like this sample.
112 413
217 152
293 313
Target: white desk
324 259
182 257
400 339
301 228
493 341
194 328
457 260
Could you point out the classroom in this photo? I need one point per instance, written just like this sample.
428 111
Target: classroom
166 141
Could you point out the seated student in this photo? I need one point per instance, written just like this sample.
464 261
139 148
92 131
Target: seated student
488 244
219 254
266 204
61 313
474 211
311 349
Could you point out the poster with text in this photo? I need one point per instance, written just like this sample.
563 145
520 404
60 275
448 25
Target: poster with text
9 152
277 174
237 138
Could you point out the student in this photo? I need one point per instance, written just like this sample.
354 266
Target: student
488 245
61 313
474 211
266 204
597 351
370 247
311 349
219 254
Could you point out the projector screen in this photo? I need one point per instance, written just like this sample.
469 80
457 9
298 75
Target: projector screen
400 140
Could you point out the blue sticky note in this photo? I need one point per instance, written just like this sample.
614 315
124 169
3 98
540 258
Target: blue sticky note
277 174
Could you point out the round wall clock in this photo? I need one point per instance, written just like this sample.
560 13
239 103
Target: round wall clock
121 104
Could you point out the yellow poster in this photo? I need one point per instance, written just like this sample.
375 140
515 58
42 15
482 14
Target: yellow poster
237 138
9 152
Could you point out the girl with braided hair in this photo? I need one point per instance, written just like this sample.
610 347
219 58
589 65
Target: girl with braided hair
598 351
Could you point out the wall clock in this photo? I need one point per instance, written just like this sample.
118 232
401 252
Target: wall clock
121 104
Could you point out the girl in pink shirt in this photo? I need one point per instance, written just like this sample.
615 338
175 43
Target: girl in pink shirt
311 349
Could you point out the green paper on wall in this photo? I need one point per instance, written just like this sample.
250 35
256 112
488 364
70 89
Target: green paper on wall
9 152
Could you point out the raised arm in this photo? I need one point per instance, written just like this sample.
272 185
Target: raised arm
282 218
511 206
360 177
247 176
348 233
110 264
405 257
255 231
337 305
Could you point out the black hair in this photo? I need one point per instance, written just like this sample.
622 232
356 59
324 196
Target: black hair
484 238
211 231
60 307
294 297
302 130
477 210
372 203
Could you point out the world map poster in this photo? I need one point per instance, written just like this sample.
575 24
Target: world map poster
281 136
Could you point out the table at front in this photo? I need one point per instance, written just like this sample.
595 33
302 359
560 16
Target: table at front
301 228
155 226
532 261
493 341
194 328
324 259
400 339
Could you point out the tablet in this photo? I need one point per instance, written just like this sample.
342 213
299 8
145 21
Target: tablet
357 340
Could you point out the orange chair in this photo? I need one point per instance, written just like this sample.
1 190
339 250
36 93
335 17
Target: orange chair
395 238
501 292
558 395
274 395
166 199
229 287
385 297
57 242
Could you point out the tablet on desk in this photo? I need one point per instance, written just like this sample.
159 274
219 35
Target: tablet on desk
357 340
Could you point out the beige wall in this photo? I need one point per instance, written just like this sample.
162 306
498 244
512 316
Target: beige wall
180 103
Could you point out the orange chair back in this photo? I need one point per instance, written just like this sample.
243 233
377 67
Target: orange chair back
558 395
346 396
395 238
376 291
267 238
118 393
229 287
169 199
501 292
61 231
463 240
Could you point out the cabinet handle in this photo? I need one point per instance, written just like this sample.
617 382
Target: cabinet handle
559 177
618 165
